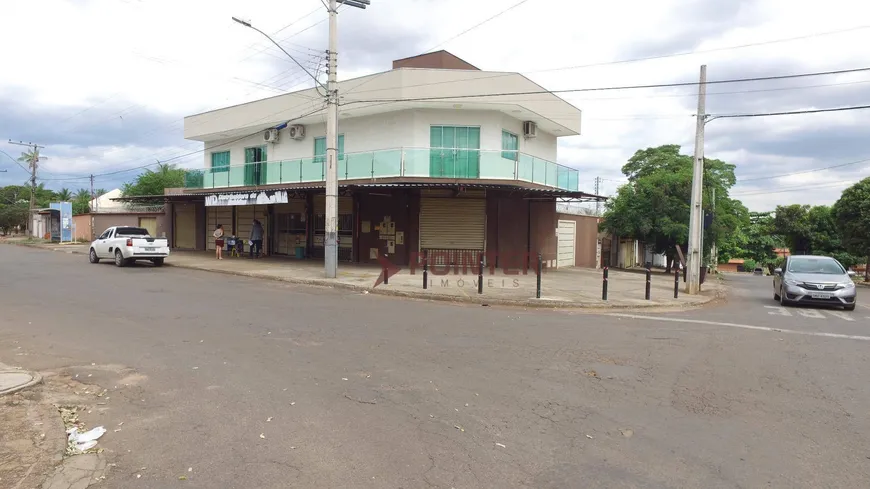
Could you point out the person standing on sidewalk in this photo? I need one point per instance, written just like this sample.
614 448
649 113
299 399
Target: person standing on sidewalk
219 241
256 239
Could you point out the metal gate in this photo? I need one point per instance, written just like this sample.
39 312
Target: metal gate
345 227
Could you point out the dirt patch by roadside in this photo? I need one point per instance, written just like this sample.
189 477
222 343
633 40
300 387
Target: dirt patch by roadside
34 452
33 438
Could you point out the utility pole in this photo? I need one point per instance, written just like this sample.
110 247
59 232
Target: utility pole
714 251
597 202
33 163
330 245
696 219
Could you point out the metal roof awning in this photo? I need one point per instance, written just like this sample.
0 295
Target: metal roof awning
529 190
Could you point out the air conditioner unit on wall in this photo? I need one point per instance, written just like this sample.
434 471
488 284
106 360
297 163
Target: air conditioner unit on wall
270 136
530 129
296 132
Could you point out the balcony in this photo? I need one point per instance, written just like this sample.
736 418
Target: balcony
393 163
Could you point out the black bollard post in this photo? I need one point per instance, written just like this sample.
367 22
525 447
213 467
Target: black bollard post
540 270
604 286
676 283
648 278
425 270
480 274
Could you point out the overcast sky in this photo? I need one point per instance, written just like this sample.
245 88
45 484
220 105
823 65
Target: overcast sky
104 84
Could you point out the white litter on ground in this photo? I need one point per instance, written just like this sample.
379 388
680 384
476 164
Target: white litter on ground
87 440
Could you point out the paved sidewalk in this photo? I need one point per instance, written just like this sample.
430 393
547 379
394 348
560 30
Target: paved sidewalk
565 288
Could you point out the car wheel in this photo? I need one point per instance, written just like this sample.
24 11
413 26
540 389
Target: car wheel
92 257
782 300
849 307
775 295
158 262
119 259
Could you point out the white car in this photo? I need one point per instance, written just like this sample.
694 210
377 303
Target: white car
126 244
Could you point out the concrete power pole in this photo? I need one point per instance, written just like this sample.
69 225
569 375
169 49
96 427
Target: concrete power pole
597 189
330 245
696 219
33 163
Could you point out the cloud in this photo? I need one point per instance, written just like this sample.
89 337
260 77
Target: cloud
114 79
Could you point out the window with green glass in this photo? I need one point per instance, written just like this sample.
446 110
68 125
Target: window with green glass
320 148
510 145
255 171
220 161
454 152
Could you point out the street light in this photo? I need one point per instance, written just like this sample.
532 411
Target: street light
330 242
250 26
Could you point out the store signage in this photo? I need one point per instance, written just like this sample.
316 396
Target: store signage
247 198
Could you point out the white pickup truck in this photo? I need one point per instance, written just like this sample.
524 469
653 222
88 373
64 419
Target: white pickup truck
126 244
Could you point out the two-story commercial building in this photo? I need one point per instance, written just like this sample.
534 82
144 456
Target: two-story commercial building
434 156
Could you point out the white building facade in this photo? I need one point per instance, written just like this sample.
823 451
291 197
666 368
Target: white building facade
453 146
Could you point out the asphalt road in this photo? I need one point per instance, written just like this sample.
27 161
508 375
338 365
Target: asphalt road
354 390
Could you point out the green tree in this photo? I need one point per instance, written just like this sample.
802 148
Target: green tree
64 195
851 214
761 242
812 230
12 215
155 182
793 224
654 205
81 201
29 157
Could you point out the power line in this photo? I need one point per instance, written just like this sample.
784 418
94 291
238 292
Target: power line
624 87
251 26
632 60
794 189
16 162
702 51
741 180
475 26
793 112
204 149
466 31
309 14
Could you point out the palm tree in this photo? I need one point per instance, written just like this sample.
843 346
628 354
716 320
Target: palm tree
29 157
100 192
83 194
64 195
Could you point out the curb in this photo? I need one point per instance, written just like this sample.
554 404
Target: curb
35 378
718 294
529 303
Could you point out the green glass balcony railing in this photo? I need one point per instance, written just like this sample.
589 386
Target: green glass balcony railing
447 163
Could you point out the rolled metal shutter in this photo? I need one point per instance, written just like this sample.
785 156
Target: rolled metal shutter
452 224
245 216
185 227
217 215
